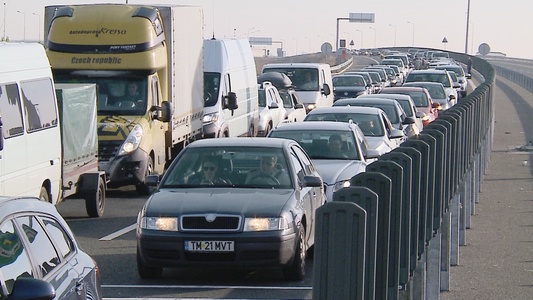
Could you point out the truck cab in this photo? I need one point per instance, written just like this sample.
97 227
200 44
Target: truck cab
149 83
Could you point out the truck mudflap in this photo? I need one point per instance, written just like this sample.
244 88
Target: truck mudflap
92 187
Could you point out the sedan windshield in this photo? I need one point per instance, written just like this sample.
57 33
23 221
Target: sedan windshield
369 123
323 144
248 167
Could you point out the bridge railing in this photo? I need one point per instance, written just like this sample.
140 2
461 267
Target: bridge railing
397 230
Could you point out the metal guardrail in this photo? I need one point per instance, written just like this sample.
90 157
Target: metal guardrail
396 231
522 80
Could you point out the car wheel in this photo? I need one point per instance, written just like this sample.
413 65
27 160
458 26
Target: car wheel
296 271
147 272
95 201
43 195
142 188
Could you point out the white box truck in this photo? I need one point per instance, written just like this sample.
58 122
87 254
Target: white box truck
48 144
230 89
147 63
312 81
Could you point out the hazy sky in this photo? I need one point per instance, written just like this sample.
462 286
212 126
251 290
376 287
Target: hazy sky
303 25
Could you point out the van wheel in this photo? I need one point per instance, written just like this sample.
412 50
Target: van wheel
251 131
95 201
269 127
142 188
43 195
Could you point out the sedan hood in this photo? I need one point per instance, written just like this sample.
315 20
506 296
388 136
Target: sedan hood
333 171
174 202
378 143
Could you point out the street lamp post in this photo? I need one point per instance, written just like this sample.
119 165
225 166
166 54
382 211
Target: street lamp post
375 35
413 43
309 44
394 34
23 27
296 45
467 24
38 25
361 37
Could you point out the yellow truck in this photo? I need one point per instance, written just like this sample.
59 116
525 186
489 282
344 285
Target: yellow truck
147 64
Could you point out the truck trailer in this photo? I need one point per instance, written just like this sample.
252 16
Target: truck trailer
147 64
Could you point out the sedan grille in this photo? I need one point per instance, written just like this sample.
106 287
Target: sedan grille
211 222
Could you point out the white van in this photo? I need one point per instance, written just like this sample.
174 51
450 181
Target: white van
312 81
30 145
229 72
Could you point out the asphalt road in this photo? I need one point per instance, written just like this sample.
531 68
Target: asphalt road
496 263
497 260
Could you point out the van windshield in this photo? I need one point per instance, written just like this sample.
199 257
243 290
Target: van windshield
303 79
117 94
211 88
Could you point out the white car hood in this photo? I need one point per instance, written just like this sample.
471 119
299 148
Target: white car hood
378 143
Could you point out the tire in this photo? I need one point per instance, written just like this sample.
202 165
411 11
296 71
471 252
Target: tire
251 131
43 195
296 271
142 188
147 272
95 201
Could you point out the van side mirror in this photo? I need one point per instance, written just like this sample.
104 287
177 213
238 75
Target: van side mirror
326 90
162 113
1 135
230 101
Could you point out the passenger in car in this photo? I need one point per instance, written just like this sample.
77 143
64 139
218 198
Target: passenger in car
269 172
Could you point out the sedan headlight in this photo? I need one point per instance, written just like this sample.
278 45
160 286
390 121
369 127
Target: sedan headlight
341 184
159 223
265 224
133 141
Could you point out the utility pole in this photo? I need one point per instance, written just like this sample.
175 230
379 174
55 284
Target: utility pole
467 24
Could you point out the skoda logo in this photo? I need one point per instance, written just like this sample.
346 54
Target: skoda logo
345 93
210 218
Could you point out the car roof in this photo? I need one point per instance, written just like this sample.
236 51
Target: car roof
346 109
388 96
297 65
427 71
348 75
11 205
423 83
240 142
402 88
367 100
322 125
278 79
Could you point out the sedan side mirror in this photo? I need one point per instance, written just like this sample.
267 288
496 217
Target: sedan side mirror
312 181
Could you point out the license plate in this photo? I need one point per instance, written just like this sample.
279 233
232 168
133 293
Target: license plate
209 246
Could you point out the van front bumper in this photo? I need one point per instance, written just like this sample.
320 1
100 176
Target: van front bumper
125 169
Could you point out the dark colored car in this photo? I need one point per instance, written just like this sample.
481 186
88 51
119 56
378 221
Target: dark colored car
40 258
256 211
350 86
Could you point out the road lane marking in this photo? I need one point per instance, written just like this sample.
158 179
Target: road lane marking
116 234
